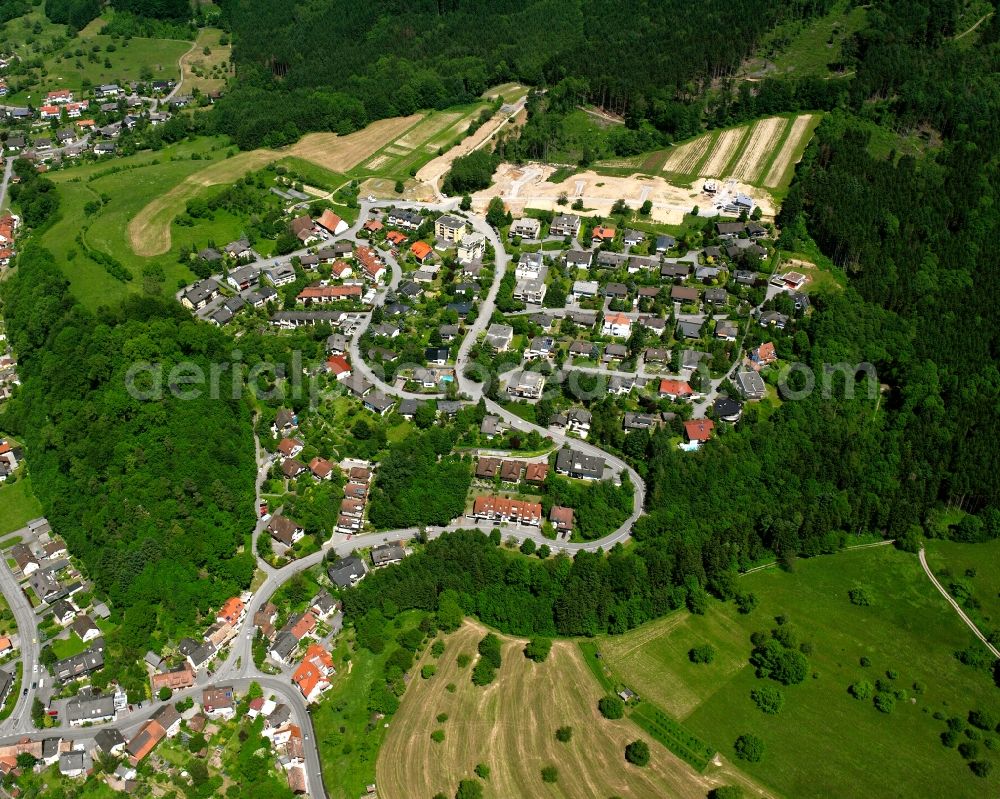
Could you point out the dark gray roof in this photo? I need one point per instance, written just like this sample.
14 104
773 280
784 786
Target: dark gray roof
342 571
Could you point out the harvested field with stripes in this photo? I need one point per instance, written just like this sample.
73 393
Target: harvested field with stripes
762 153
764 138
791 150
726 146
685 159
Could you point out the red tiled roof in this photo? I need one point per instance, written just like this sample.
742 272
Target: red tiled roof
678 388
329 220
494 506
699 429
304 625
320 467
421 249
231 610
395 237
338 365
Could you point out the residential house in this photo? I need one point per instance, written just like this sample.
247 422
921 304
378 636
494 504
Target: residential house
284 530
602 233
410 220
727 409
578 421
321 468
611 260
283 647
540 347
487 468
562 519
639 421
312 675
239 249
665 242
565 225
378 402
110 741
698 431
84 627
422 251
387 554
510 471
689 329
576 464
617 325
579 259
243 278
527 384
499 337
774 319
175 679
218 702
292 468
280 274
62 612
530 290
332 223
198 295
727 330
764 354
529 265
583 349
525 228
89 708
535 473
716 296
338 366
750 384
676 390
24 558
437 355
77 666
492 426
73 764
615 352
347 571
729 230
585 289
633 238
678 271
684 294
290 447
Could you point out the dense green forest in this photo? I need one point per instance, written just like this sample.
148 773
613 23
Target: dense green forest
915 238
649 59
154 497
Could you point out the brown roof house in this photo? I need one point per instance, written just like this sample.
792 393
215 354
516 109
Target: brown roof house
284 530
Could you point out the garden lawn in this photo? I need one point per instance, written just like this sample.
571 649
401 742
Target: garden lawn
67 647
19 504
823 742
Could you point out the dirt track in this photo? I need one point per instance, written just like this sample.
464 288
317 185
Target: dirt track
149 230
510 725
